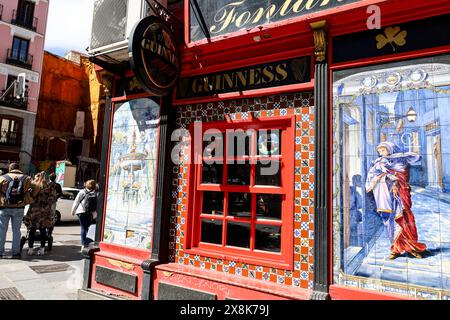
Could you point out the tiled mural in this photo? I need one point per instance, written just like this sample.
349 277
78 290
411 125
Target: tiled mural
391 200
300 105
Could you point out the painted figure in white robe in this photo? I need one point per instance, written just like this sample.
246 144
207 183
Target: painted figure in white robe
388 179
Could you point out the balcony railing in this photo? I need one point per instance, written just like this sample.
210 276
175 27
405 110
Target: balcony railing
10 139
19 19
20 60
11 101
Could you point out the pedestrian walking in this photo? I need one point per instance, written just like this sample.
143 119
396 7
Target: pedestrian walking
39 215
85 207
16 191
58 189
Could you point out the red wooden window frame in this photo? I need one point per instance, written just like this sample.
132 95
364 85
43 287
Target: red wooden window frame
282 259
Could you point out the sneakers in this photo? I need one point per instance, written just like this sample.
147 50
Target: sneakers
30 251
41 252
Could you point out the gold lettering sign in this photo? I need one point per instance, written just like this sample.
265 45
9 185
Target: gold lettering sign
231 15
254 77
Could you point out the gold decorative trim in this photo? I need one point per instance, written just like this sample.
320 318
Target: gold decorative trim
320 39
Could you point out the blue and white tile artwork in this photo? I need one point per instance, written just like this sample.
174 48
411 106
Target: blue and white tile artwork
391 186
131 179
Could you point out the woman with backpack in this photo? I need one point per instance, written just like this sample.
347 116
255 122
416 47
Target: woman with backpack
85 206
40 215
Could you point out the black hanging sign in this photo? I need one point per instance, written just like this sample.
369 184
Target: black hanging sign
260 76
225 16
401 38
154 55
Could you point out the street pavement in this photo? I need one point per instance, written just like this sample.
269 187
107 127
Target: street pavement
55 276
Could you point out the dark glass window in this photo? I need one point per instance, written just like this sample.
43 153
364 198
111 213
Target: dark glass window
212 203
268 206
238 234
212 146
20 49
269 142
238 144
268 173
212 231
240 205
212 173
239 174
268 238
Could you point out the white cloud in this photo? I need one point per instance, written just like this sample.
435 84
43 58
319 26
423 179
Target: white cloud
69 25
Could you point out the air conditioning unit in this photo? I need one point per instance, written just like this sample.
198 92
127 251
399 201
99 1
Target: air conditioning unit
113 21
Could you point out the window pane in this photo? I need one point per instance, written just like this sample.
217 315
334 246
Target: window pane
212 173
268 173
238 144
213 146
239 174
269 142
238 234
212 203
212 231
268 238
240 205
268 206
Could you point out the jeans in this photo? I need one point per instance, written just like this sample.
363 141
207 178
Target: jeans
16 216
85 222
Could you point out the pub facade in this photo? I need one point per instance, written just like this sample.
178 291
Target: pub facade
301 154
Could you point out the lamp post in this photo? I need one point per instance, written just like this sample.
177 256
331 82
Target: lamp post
386 117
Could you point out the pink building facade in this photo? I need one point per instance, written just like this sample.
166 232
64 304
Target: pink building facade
22 34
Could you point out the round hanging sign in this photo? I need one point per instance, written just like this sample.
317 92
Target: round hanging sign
154 55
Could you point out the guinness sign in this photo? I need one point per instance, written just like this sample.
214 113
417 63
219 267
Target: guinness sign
155 56
272 74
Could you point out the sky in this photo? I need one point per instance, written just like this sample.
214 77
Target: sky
68 26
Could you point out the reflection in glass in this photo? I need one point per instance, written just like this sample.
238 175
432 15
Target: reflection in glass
212 173
212 231
269 142
238 234
268 173
239 174
212 203
240 205
268 238
268 206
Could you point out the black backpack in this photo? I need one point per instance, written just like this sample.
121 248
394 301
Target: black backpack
90 202
15 193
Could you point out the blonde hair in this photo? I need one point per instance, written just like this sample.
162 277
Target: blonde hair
44 180
90 184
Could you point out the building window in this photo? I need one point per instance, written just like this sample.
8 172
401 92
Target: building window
243 187
20 48
10 131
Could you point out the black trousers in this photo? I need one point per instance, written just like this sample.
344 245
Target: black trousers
32 237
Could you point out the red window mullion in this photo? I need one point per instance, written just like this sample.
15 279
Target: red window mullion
225 201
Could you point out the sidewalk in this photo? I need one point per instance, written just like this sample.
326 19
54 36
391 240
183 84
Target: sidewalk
55 276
